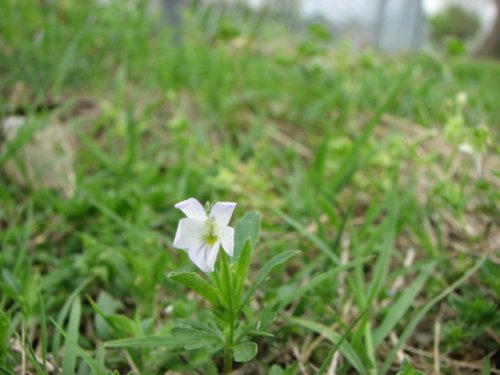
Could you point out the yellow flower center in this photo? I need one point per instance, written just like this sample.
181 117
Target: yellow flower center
211 237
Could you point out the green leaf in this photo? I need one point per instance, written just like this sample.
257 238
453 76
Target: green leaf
120 324
124 324
107 305
11 282
61 317
245 351
70 352
43 332
197 283
152 342
486 367
295 292
248 228
242 267
5 371
91 362
386 251
192 334
275 370
4 336
191 338
225 288
399 308
265 271
407 369
113 216
34 360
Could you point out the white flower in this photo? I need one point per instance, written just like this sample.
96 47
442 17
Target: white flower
466 148
462 98
202 235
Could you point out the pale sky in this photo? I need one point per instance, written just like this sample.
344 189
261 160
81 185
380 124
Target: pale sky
363 10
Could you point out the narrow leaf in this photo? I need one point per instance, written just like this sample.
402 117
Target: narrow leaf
70 352
407 369
381 268
119 324
152 342
245 351
242 267
5 371
43 332
248 228
265 271
399 308
197 283
91 362
298 291
318 242
61 317
486 367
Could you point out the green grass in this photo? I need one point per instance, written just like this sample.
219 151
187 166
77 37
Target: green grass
343 154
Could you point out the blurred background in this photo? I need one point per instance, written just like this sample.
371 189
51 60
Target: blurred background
389 25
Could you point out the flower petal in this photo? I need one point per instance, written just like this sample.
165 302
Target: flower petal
204 256
222 212
190 233
192 209
225 235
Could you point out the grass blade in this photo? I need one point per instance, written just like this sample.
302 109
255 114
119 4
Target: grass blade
70 352
264 272
318 242
56 340
316 280
336 347
152 342
399 308
43 332
345 348
96 368
197 283
422 312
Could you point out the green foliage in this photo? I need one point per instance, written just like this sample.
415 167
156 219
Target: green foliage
197 283
245 351
319 32
478 312
70 352
454 21
4 337
407 369
195 335
247 229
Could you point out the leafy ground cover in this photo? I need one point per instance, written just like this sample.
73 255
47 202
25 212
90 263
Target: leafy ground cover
383 171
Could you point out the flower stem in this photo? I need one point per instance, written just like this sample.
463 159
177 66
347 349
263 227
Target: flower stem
228 347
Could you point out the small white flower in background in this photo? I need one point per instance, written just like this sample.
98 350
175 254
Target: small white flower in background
202 235
462 98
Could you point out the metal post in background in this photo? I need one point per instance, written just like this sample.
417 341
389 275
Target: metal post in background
381 8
